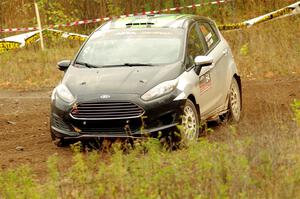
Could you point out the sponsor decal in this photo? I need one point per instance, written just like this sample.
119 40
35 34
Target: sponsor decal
205 82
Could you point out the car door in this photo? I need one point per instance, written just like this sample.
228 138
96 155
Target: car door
219 51
204 93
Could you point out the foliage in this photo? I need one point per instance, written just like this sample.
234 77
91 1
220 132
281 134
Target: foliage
114 8
245 49
204 170
62 11
54 12
296 109
18 184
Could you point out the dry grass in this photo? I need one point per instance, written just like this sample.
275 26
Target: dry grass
35 69
264 51
267 50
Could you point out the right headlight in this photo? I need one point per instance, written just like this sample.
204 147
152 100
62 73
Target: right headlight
160 90
63 93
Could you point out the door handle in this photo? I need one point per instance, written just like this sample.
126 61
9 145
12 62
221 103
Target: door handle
225 51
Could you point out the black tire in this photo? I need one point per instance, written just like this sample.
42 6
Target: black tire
234 102
190 122
171 139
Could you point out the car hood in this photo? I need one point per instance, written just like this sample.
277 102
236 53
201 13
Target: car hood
118 80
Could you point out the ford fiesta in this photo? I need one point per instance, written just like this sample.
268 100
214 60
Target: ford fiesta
141 75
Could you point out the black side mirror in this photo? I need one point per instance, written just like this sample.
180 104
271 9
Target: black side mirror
64 65
198 69
202 61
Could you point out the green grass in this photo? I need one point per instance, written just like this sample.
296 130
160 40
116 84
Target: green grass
256 159
241 168
296 109
244 161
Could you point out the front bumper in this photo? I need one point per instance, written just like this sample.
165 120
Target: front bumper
160 114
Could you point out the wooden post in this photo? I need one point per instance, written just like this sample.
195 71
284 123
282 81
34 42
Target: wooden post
39 24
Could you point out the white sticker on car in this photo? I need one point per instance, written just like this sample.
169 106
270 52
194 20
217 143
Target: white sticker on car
209 39
208 36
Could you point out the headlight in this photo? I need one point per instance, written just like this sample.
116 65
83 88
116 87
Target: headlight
160 90
63 92
53 95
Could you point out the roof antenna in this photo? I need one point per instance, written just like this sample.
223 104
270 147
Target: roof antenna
150 15
149 19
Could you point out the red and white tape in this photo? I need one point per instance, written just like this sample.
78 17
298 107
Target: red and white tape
89 21
18 29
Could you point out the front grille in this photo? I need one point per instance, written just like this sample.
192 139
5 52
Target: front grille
106 111
108 126
113 130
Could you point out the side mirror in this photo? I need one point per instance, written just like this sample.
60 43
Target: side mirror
202 61
64 65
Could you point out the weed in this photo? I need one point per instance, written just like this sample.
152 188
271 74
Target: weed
296 109
245 49
239 168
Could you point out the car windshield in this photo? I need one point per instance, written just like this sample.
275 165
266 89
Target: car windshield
132 47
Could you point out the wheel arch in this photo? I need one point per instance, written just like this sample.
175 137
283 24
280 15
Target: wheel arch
193 99
239 81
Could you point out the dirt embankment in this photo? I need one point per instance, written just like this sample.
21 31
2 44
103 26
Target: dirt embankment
24 120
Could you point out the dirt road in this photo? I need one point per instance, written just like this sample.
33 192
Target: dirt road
24 120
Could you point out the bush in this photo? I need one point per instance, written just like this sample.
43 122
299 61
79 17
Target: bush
204 170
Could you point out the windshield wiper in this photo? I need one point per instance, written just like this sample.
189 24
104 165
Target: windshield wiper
127 64
86 65
137 64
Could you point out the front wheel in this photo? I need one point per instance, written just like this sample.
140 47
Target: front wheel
190 121
234 106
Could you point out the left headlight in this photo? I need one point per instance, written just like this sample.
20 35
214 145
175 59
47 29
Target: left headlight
63 92
53 95
160 90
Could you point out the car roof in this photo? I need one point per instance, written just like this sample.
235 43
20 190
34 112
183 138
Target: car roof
150 21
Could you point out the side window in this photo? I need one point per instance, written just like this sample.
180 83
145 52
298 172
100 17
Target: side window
209 34
194 45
